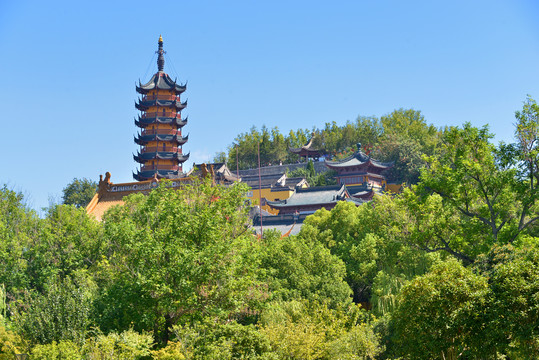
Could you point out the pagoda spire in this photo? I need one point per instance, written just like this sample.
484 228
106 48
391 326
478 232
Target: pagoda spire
160 57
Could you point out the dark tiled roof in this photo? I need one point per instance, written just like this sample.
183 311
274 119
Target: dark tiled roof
358 158
312 196
162 155
161 81
143 122
177 140
305 149
144 105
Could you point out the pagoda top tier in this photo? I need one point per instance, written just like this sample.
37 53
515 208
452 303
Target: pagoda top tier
160 80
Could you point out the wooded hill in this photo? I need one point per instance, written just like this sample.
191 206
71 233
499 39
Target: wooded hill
402 136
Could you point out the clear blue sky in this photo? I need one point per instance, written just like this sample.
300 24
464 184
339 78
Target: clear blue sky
68 71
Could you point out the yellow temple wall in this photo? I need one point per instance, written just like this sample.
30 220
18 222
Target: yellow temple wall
269 195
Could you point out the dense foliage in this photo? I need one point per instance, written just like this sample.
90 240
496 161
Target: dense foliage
402 136
79 192
448 269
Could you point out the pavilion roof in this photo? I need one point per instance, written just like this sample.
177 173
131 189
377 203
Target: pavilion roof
306 149
359 158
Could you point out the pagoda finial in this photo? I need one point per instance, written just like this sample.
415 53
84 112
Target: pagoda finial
160 57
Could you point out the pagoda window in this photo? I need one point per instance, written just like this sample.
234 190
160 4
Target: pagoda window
163 112
163 146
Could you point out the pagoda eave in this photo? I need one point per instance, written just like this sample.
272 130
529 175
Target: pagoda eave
143 157
143 122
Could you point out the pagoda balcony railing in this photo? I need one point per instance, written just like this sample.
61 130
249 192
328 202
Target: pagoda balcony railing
160 167
161 132
161 97
153 114
172 149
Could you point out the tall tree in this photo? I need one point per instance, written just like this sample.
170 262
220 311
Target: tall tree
441 315
173 257
79 192
406 138
471 184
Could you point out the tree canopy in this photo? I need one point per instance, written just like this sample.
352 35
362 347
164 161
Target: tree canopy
79 192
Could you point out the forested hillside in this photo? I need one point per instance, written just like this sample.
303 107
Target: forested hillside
448 269
402 136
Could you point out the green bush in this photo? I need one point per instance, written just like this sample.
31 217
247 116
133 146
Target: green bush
129 345
63 350
224 341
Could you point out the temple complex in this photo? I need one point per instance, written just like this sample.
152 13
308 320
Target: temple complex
160 139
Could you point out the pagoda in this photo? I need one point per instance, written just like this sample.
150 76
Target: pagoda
160 139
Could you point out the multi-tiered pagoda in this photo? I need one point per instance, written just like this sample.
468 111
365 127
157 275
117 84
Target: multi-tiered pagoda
160 154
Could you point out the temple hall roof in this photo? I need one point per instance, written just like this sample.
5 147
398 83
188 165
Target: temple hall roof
313 196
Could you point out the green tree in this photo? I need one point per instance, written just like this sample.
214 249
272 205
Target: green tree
61 313
19 228
295 269
513 273
69 240
314 179
406 138
173 257
478 197
523 156
310 330
370 243
442 315
79 192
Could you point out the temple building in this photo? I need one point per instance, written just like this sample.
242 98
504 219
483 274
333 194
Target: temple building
308 200
268 188
160 139
360 169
